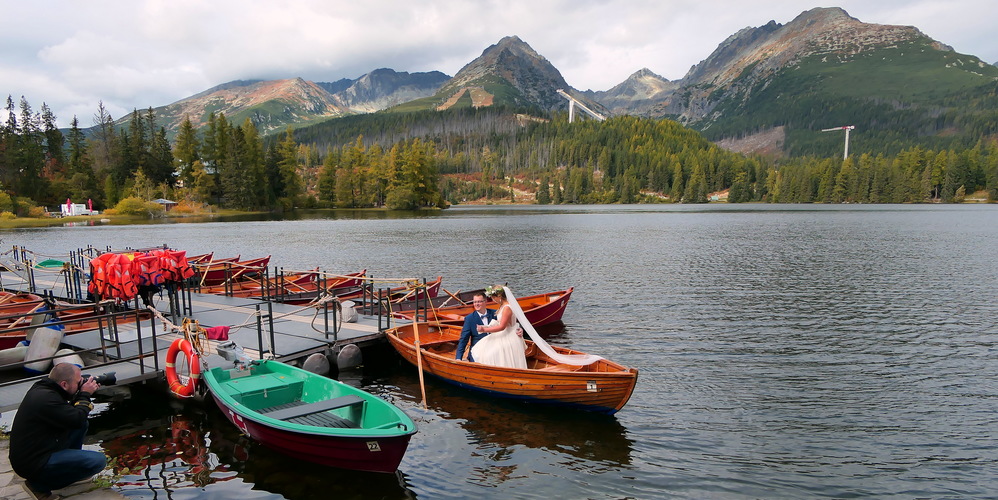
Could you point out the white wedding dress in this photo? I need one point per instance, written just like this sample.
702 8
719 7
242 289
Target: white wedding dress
503 348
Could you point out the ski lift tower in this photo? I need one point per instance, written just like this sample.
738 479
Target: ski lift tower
572 102
847 128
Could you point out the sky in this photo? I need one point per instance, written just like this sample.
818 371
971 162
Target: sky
72 55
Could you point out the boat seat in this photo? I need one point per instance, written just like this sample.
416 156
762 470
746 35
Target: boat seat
561 368
310 408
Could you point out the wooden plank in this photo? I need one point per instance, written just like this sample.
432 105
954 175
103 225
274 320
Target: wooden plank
319 406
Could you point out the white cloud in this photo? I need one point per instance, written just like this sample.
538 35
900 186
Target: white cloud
135 54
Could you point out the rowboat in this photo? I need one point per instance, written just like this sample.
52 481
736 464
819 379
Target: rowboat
540 310
312 417
87 316
260 286
399 294
17 312
334 285
602 386
216 273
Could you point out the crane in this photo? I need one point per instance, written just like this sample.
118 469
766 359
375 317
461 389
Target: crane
847 128
572 102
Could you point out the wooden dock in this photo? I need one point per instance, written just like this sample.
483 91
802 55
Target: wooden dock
263 329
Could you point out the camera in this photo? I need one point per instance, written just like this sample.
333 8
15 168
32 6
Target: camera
102 379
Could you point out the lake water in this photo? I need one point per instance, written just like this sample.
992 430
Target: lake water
784 352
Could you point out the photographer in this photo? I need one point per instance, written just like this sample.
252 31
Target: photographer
46 438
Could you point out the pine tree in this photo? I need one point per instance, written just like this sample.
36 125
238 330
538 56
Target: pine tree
186 150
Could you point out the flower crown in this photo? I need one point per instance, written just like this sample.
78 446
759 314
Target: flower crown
492 291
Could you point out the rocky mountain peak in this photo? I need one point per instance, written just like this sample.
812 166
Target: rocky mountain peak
514 61
638 94
753 54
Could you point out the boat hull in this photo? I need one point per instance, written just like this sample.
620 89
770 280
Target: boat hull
371 454
368 434
603 387
542 309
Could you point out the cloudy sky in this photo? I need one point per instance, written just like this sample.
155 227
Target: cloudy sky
141 53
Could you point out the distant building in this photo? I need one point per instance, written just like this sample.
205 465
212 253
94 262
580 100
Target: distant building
69 209
167 204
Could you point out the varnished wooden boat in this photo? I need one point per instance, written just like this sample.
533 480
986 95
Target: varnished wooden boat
312 417
540 310
603 386
399 294
87 316
217 273
303 293
206 258
16 312
257 286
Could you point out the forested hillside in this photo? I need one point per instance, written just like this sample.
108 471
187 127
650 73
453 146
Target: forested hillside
430 159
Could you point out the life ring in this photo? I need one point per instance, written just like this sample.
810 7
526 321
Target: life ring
176 387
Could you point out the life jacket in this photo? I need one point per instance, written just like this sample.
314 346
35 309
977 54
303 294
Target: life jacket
122 277
148 269
99 284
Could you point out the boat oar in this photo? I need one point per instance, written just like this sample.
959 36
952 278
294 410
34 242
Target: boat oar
455 297
419 363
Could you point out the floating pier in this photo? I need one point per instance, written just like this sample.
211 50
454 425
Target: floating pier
133 343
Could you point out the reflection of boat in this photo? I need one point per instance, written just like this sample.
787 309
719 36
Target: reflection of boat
312 417
180 440
602 386
269 471
541 309
599 439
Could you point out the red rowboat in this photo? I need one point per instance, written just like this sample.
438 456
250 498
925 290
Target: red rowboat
541 309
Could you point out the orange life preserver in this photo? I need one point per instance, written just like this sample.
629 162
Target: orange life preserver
184 391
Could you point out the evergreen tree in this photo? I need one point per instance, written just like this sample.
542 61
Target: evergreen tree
186 151
291 185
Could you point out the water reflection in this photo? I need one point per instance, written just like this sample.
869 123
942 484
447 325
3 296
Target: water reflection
498 427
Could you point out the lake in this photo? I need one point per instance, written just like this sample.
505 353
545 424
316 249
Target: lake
785 351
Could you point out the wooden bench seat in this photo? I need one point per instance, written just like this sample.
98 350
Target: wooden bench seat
560 368
310 408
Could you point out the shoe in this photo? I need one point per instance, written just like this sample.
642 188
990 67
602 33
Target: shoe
40 495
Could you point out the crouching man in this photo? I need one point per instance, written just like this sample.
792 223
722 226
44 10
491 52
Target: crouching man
46 438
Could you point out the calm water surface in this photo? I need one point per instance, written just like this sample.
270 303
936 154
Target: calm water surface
784 352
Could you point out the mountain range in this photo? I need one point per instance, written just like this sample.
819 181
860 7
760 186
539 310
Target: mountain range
767 89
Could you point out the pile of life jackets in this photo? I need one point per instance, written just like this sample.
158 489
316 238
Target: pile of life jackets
119 275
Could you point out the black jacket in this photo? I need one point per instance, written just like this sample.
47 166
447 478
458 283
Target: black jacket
43 423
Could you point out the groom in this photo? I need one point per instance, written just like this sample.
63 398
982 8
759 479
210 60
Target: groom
481 316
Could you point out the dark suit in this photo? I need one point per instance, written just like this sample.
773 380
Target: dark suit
470 331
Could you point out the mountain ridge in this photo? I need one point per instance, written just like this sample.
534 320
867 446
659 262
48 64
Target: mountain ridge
751 83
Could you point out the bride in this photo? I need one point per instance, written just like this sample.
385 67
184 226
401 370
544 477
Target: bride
503 346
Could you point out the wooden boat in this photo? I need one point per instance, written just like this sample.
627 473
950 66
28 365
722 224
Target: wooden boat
312 417
403 293
17 312
205 258
260 286
338 285
87 316
446 299
602 387
217 272
540 310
